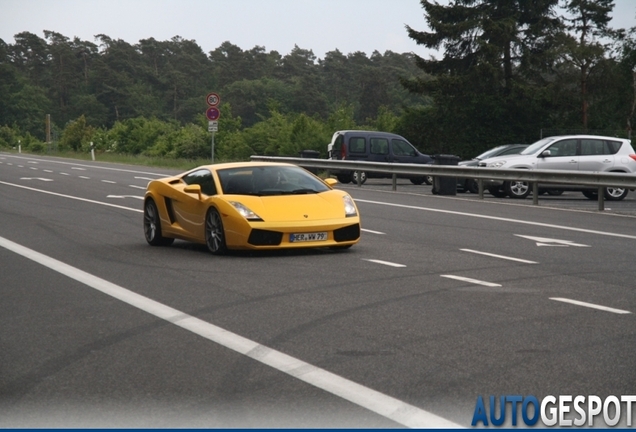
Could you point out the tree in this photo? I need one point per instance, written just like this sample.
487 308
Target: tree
581 47
490 48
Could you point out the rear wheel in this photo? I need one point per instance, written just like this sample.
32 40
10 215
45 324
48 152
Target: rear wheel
152 225
517 189
417 180
344 178
214 233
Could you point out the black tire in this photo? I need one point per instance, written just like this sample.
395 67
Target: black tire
517 189
214 232
615 194
555 192
344 178
417 180
363 177
428 180
590 195
496 192
472 186
152 225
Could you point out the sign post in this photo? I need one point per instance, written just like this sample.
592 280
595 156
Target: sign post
213 114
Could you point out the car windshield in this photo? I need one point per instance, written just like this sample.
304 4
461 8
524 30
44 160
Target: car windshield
489 153
266 180
536 147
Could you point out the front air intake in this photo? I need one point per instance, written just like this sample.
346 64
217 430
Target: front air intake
260 237
348 233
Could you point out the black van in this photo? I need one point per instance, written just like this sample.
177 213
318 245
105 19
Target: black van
360 145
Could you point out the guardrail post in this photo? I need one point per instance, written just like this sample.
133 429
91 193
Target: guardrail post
601 198
535 193
394 180
359 178
480 186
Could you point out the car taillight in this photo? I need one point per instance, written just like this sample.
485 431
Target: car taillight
343 151
633 156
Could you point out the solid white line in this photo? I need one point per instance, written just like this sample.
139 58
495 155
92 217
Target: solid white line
387 406
475 281
499 256
384 262
72 197
590 305
372 232
563 227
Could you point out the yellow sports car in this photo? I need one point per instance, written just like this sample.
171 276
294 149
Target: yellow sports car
250 205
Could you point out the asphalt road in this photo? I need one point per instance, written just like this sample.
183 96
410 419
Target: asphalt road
443 300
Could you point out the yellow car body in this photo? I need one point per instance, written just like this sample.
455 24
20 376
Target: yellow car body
250 205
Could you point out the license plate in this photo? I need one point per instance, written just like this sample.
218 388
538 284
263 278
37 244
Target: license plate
307 237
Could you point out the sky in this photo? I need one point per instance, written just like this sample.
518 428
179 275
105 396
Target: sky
277 25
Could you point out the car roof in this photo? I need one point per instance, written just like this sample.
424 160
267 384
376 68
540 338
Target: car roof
367 133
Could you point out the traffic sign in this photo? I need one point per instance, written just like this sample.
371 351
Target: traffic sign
213 126
213 113
213 99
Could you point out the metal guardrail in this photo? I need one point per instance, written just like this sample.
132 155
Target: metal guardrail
597 180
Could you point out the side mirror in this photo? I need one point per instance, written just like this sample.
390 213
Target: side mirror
331 181
545 153
193 188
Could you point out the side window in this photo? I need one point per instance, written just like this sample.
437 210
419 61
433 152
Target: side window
379 146
611 147
203 178
357 145
563 148
590 147
402 148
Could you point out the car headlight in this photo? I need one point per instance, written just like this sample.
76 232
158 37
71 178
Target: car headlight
245 212
350 208
497 164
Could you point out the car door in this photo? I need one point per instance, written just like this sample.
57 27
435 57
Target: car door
378 149
189 210
563 156
595 155
403 152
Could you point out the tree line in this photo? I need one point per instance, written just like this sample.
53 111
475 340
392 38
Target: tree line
508 71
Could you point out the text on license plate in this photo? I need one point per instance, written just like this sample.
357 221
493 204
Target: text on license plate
305 237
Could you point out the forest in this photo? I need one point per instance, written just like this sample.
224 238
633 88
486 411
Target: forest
508 72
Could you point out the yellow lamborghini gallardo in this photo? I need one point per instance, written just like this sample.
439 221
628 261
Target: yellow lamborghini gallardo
250 205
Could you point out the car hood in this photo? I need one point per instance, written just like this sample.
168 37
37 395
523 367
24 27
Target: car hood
291 208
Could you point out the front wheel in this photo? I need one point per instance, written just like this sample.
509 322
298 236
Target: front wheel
615 194
214 233
363 177
417 180
517 189
152 225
